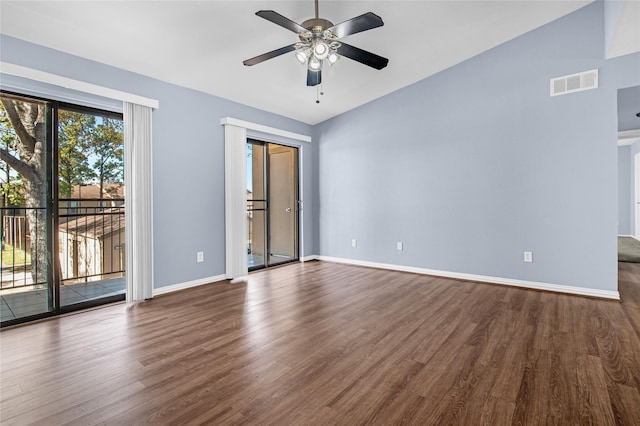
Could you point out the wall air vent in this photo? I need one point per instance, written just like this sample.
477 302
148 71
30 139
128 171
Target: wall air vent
586 80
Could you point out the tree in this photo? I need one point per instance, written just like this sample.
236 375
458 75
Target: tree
11 186
27 157
75 135
108 149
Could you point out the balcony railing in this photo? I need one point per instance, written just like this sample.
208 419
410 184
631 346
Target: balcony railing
91 236
17 267
91 242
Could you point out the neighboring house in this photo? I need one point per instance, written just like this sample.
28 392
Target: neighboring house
93 246
91 232
81 216
86 198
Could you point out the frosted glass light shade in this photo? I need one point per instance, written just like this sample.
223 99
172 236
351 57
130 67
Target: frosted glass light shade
321 50
314 63
302 56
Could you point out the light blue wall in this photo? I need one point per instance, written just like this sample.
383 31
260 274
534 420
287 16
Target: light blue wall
628 107
477 164
625 190
188 156
612 11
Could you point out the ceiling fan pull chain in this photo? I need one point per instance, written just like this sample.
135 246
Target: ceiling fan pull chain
317 91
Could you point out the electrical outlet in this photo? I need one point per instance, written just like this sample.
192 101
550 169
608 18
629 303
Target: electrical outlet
200 257
528 256
399 246
354 243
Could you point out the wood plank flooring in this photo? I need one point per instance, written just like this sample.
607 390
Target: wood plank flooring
323 343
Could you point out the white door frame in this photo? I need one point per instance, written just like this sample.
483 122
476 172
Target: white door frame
636 186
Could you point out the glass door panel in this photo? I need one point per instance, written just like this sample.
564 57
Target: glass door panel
26 287
256 206
283 196
257 243
272 201
91 231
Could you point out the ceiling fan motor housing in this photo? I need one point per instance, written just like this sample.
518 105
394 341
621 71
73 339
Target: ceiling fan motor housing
313 23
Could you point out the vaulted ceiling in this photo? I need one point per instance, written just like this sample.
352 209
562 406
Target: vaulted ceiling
201 44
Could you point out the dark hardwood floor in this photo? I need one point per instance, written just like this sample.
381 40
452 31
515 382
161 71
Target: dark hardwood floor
323 343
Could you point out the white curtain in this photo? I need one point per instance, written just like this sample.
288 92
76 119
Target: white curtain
138 201
235 201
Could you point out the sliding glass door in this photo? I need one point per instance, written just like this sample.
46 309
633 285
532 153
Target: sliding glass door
272 204
61 208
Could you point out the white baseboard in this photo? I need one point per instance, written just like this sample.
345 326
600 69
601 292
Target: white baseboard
605 294
309 258
188 284
630 236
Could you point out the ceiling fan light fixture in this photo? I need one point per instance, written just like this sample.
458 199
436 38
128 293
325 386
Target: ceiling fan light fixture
321 50
328 35
303 55
314 63
333 58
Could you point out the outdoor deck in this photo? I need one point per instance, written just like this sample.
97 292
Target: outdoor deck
32 302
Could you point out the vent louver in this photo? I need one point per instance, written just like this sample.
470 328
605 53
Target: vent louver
586 80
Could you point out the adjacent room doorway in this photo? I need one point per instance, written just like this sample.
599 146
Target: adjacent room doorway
272 204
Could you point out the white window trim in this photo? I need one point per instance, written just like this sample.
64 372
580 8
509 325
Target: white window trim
81 86
264 129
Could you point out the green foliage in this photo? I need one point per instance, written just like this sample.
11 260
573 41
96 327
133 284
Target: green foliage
13 193
108 149
11 185
75 134
90 149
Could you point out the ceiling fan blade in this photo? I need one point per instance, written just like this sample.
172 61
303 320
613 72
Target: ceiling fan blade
269 55
278 19
314 77
362 56
358 24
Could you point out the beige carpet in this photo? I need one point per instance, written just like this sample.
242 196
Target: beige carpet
628 250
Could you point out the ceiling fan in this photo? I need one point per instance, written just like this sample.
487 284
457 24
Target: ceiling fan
320 42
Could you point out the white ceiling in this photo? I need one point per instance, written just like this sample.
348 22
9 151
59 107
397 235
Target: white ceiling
201 44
